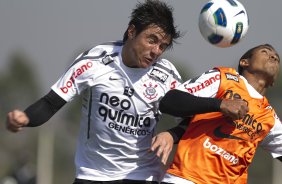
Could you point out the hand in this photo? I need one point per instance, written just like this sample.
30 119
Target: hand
162 144
16 120
235 109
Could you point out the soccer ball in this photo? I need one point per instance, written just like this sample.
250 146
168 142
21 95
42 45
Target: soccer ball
223 23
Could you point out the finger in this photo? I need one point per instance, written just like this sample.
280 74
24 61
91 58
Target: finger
19 118
242 112
231 116
165 155
160 150
154 144
9 116
246 110
10 122
153 140
14 128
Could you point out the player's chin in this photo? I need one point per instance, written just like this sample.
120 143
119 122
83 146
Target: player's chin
145 64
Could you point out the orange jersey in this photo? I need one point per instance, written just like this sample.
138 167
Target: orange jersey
217 150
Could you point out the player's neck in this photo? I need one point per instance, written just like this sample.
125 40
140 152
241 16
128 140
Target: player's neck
258 84
125 56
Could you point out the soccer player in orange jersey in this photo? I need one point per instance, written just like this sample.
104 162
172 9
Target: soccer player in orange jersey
215 149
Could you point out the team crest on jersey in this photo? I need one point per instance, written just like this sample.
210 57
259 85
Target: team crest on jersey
232 77
158 74
150 91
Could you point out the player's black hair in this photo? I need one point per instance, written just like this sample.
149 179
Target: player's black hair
249 54
153 12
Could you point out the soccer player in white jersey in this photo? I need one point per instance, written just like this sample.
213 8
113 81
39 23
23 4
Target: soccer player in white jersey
122 83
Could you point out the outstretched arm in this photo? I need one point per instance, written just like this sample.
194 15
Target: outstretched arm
36 114
182 104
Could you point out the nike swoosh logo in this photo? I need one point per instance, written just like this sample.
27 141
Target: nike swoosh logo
218 133
241 12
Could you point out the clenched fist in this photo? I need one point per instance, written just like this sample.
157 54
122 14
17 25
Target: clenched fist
16 120
235 109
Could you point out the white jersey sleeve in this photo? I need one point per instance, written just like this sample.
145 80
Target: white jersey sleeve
273 141
205 85
79 76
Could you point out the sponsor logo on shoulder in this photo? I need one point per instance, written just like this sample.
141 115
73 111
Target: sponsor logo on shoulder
76 73
202 85
161 76
232 77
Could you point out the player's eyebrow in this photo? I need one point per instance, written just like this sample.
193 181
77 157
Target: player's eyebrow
272 50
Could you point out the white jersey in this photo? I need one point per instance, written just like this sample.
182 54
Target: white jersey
119 113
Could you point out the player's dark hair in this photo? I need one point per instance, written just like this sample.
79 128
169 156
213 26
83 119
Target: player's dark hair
249 54
153 12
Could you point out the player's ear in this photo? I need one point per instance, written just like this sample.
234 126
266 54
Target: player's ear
244 63
131 31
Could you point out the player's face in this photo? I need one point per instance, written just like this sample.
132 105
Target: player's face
146 47
265 61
